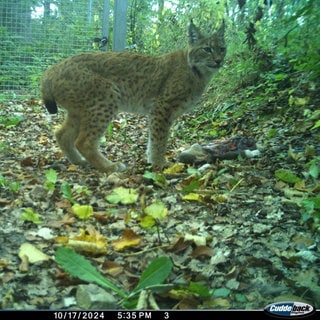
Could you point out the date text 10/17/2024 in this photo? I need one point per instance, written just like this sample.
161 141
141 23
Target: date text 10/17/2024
110 315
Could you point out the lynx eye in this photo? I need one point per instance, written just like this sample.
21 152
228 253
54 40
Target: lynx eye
207 49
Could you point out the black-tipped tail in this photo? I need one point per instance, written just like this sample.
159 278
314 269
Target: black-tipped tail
51 106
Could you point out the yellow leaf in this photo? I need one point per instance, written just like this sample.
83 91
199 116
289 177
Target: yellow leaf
61 239
82 211
192 197
300 102
93 242
147 222
34 255
219 198
176 168
128 239
220 303
301 186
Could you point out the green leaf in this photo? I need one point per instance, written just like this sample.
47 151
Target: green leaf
240 297
157 271
51 179
221 292
314 171
157 210
158 178
199 289
30 215
311 203
81 268
147 221
316 125
82 211
193 185
286 176
66 191
123 195
280 76
51 175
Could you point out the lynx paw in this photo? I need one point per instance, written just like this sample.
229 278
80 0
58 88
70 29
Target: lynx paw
114 167
120 167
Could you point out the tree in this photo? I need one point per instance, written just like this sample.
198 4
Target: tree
120 25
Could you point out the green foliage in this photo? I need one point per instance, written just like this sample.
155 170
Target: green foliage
82 211
51 179
158 178
123 195
13 186
221 292
31 216
81 268
66 191
311 212
198 289
153 276
9 122
283 33
286 176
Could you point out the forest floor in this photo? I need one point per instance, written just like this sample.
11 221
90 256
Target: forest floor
241 233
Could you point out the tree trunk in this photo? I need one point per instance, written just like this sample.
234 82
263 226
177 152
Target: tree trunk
120 25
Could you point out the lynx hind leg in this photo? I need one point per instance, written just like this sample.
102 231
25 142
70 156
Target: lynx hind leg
92 127
66 136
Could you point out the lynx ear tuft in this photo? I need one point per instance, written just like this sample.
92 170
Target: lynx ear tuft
221 29
194 33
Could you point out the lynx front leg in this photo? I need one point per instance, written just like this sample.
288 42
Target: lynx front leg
159 128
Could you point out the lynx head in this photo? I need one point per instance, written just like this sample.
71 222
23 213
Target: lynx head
206 54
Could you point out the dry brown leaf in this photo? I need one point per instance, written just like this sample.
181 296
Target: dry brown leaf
128 239
112 268
201 252
180 245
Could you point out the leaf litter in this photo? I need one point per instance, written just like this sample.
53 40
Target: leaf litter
241 233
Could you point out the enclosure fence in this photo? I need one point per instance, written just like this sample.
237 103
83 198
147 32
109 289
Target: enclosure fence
36 34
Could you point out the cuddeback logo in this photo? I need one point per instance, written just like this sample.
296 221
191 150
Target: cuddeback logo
289 309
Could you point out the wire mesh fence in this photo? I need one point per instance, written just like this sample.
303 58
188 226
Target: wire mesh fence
36 34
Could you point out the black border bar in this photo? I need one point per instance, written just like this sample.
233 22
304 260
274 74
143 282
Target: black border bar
144 315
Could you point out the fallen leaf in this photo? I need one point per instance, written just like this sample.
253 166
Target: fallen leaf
82 211
122 195
92 242
45 233
30 215
147 221
128 239
286 176
112 268
175 168
198 240
202 251
220 302
193 197
180 245
157 210
34 255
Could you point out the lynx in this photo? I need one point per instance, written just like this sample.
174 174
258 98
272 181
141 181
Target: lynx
94 87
